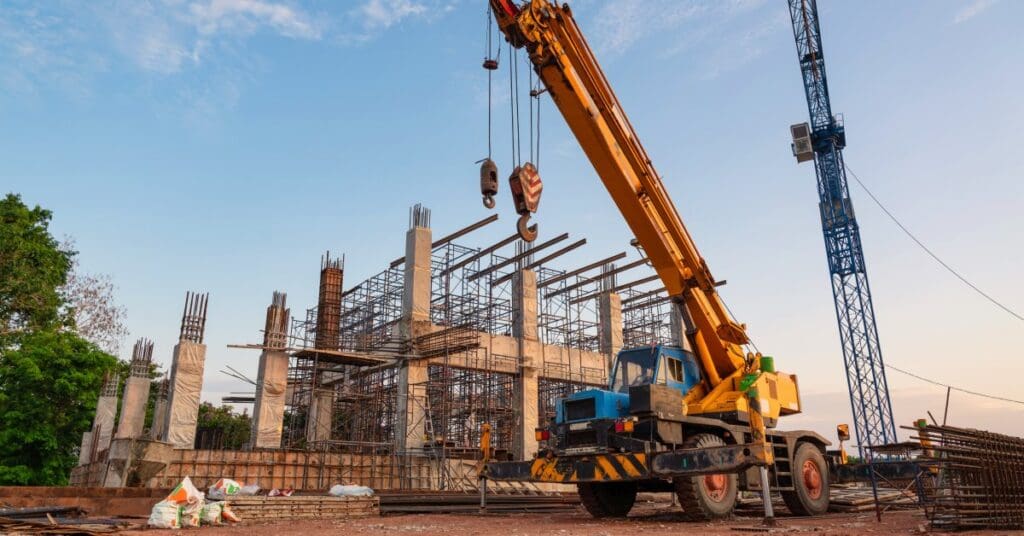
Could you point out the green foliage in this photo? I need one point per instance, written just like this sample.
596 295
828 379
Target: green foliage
49 384
33 268
233 427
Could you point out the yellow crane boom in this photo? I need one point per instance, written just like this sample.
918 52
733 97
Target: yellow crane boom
565 63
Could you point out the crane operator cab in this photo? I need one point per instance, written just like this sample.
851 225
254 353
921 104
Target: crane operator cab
590 420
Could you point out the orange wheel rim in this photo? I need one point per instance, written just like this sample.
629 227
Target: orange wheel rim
716 486
812 479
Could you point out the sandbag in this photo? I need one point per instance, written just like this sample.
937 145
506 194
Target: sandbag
222 489
165 515
339 490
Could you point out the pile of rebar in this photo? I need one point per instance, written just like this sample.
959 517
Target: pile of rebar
980 479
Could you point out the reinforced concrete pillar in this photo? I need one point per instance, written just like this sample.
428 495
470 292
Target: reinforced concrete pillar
321 412
272 378
412 372
187 374
524 329
103 422
681 326
136 393
85 450
609 312
158 428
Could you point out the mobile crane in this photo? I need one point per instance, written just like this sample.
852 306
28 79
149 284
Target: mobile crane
698 423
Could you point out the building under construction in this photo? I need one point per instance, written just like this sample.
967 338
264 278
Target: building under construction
387 382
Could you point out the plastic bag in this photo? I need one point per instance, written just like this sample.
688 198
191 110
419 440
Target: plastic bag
251 489
339 490
185 493
223 488
284 492
191 514
188 502
227 514
210 514
165 515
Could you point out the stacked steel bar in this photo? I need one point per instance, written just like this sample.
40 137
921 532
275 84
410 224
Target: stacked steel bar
981 478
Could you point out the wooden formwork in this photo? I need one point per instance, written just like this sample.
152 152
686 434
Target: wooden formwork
257 509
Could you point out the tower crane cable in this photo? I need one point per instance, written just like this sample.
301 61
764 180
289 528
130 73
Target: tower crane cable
930 253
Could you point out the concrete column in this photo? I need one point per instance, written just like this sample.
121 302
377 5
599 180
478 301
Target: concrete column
85 451
136 393
321 412
609 312
186 384
133 408
272 379
415 321
158 428
524 329
106 409
681 325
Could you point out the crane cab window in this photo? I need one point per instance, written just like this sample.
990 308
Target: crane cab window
673 369
633 368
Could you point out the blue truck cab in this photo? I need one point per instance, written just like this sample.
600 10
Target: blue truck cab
666 365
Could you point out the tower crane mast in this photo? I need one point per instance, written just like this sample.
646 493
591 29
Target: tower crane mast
822 140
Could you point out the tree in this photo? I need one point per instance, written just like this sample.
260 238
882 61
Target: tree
226 429
90 306
50 377
32 269
48 390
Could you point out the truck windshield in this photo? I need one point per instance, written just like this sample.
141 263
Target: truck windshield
634 368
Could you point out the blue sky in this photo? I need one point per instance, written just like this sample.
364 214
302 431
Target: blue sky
223 145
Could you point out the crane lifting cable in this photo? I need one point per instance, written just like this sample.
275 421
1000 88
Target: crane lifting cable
488 169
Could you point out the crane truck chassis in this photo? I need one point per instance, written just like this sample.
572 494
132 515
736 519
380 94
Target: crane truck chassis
636 437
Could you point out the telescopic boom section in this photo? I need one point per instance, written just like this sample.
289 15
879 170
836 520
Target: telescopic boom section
563 60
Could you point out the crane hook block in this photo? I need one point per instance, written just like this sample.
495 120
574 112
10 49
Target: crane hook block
526 188
488 181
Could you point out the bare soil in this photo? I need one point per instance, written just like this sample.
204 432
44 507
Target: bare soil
649 518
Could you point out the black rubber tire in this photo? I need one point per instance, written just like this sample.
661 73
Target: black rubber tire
607 499
799 500
694 496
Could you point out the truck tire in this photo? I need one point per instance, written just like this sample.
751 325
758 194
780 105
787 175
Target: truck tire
710 496
810 482
607 499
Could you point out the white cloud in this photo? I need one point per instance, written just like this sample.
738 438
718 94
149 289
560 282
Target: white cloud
972 10
381 14
248 16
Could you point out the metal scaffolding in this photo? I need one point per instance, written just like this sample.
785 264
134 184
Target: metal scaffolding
467 382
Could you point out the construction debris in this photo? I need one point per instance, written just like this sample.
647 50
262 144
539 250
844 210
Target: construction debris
980 478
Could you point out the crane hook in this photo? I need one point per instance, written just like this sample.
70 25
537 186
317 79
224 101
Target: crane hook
527 232
488 181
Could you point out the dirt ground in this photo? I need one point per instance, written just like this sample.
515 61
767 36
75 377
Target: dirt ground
645 519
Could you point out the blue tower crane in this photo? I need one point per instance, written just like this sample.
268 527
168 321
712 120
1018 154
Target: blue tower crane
822 140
